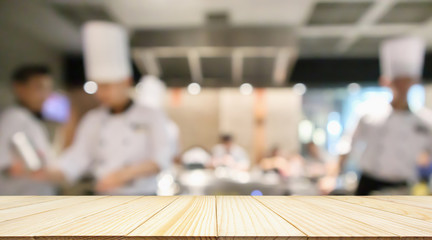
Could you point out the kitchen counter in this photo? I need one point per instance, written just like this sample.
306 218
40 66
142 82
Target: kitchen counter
215 217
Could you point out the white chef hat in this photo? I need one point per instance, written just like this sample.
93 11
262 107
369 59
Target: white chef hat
151 92
402 57
106 52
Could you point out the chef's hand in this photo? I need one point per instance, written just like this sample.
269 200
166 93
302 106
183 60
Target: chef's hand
40 175
327 184
17 168
423 160
123 176
53 175
111 181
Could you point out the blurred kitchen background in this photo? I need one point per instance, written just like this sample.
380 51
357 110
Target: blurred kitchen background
286 78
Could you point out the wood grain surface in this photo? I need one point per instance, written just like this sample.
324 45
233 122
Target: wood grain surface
215 217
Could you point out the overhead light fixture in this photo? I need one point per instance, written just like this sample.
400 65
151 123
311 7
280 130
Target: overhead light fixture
334 128
299 88
319 137
194 88
353 88
246 89
90 87
305 131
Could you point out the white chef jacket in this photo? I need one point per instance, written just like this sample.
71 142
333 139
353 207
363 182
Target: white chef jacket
390 142
173 138
107 142
20 119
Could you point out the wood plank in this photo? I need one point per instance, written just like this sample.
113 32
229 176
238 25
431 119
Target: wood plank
114 222
245 217
54 203
417 201
17 201
388 206
394 223
187 217
316 221
33 224
211 217
7 198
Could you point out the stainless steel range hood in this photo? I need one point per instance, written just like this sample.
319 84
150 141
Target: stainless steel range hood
217 55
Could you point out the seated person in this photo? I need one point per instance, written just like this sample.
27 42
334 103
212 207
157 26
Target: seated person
227 153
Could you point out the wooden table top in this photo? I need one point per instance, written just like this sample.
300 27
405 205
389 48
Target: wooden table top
214 217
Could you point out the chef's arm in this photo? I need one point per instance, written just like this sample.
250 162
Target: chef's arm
125 175
328 183
358 134
334 169
423 160
76 159
52 174
143 169
9 125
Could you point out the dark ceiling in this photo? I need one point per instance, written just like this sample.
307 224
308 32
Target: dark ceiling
314 72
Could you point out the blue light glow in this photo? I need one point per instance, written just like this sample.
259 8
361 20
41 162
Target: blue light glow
256 193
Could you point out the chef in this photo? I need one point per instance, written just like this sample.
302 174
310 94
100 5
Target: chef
229 154
31 84
392 141
122 144
151 92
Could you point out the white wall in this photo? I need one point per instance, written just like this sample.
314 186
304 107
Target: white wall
204 117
